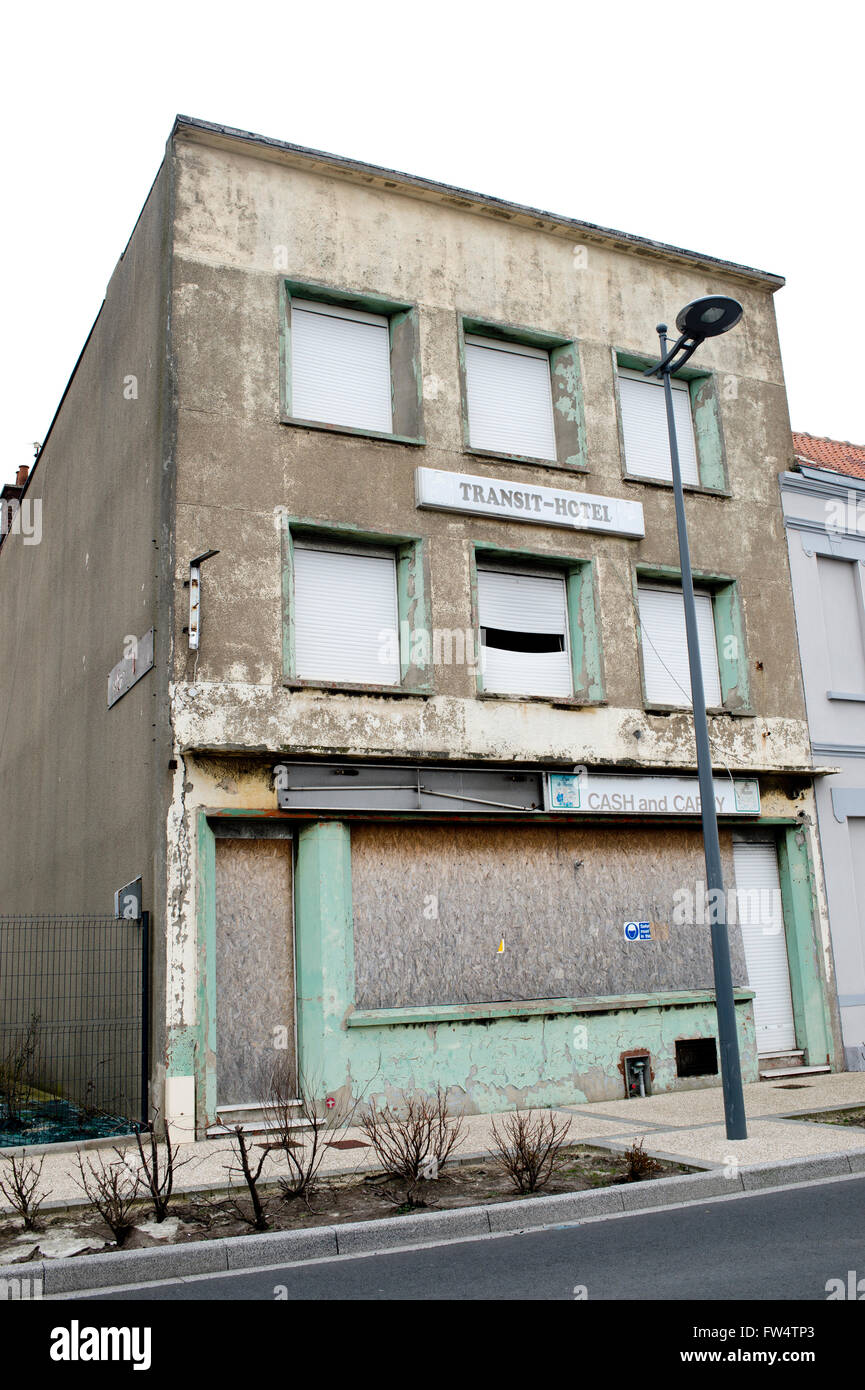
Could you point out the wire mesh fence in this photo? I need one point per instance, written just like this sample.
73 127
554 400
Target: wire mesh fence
72 1027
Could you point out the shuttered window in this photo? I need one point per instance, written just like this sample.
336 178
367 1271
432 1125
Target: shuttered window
524 634
665 647
346 622
510 401
758 905
644 424
340 366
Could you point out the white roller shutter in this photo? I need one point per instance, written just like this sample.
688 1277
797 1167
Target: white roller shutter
665 647
758 904
340 366
841 597
510 400
346 623
524 603
644 422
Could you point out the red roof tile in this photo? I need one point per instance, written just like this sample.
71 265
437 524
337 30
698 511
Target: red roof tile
835 454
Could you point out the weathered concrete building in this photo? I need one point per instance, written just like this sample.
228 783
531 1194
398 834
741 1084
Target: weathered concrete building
824 512
406 425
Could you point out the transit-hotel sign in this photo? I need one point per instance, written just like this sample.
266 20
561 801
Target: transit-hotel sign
510 501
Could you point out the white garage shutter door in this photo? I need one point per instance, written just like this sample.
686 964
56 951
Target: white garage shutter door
758 902
665 647
340 366
521 603
644 422
510 399
346 624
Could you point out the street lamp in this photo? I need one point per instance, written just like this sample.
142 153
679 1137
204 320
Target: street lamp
705 318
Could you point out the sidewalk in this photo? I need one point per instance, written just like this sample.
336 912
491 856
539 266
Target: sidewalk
687 1126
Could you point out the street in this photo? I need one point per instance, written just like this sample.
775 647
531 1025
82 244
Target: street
782 1245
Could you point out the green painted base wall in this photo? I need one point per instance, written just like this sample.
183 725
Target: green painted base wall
484 1064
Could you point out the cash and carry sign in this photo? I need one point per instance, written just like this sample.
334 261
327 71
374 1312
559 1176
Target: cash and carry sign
649 796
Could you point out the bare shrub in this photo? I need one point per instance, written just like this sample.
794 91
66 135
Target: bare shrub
156 1171
19 1183
298 1129
18 1065
640 1164
415 1142
527 1147
112 1189
257 1218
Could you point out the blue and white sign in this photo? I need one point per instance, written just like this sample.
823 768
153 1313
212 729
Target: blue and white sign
638 931
648 795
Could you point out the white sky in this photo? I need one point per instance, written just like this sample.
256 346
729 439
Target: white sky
560 106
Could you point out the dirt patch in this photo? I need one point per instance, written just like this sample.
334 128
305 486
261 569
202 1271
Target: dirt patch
854 1117
203 1216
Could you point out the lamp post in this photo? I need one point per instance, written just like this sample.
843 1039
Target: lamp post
705 318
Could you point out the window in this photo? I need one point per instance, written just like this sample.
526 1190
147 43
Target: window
510 403
345 616
644 428
340 366
665 647
523 620
350 362
841 598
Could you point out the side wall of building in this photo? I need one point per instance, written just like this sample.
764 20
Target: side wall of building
78 780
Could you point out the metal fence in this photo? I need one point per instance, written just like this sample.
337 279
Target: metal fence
73 1030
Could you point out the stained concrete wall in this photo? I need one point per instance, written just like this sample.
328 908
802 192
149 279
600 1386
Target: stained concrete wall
79 791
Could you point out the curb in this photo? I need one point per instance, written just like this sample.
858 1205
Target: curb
115 1269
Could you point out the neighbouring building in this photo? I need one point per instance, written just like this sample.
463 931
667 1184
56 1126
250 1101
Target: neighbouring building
355 630
824 512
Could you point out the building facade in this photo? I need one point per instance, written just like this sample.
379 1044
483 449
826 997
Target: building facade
359 496
824 512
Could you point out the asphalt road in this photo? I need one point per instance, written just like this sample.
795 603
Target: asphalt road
781 1245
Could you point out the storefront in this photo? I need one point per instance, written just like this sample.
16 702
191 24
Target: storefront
517 936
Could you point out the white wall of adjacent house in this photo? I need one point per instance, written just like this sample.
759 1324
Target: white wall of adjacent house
758 905
644 425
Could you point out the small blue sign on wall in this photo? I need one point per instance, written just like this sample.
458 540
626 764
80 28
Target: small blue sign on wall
638 931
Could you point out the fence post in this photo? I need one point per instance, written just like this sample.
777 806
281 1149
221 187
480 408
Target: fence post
145 1015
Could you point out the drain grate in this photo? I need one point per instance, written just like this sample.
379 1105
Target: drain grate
795 1086
347 1144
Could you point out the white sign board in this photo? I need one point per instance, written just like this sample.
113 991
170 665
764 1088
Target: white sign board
648 796
546 506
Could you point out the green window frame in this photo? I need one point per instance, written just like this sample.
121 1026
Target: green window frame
405 367
413 605
583 615
566 385
706 414
728 617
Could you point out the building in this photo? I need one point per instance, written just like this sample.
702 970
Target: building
360 508
824 512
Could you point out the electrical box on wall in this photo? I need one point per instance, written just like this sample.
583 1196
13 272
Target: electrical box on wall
638 1076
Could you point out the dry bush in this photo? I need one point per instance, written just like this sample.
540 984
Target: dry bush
640 1164
527 1147
19 1183
417 1141
299 1129
112 1189
251 1175
156 1171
